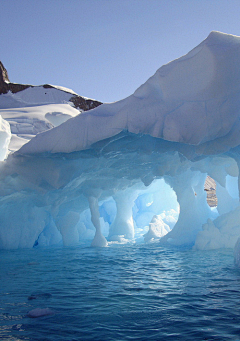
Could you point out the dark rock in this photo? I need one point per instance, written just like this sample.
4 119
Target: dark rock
83 103
6 85
3 74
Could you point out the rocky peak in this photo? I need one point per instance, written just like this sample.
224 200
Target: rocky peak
3 74
6 85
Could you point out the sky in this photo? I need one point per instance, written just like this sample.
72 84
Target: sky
104 49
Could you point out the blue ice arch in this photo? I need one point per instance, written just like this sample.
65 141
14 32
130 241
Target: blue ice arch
129 170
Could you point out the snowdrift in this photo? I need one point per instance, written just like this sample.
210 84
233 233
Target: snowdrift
133 169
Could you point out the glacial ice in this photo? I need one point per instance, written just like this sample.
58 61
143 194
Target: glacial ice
132 170
5 136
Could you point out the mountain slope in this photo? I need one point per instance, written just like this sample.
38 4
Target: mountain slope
33 109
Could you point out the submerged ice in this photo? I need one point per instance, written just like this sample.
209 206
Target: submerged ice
133 170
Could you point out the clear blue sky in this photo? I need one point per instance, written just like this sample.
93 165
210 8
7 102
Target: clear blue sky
104 49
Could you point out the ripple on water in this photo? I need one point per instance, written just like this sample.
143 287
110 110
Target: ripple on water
138 292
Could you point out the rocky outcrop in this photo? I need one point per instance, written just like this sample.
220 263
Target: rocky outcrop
78 101
14 87
84 103
3 74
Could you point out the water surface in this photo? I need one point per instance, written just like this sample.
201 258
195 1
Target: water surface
132 292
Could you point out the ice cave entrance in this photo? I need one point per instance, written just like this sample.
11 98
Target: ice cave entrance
135 214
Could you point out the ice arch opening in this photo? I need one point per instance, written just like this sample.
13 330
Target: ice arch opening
127 186
127 215
137 207
156 211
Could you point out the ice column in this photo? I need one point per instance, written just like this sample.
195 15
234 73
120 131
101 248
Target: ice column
99 240
194 210
123 222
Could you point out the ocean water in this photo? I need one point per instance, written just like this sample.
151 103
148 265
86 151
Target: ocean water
131 292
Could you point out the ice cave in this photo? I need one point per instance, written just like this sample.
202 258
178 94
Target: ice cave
130 171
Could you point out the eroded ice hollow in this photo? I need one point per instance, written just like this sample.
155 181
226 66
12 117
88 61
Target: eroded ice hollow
135 170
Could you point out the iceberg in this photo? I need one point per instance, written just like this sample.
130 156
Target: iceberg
193 100
132 170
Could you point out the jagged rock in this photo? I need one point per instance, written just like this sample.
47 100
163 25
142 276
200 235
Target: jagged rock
78 101
3 74
83 103
6 85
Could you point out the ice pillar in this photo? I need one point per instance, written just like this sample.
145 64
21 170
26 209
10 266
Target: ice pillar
123 223
99 240
194 210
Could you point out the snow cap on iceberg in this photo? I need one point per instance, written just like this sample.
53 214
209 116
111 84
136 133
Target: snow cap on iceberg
193 100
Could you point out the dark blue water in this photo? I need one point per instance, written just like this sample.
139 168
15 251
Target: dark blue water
142 292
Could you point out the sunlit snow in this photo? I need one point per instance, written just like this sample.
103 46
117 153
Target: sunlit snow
129 171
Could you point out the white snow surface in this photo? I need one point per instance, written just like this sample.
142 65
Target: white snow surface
27 122
28 114
62 88
36 95
194 100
